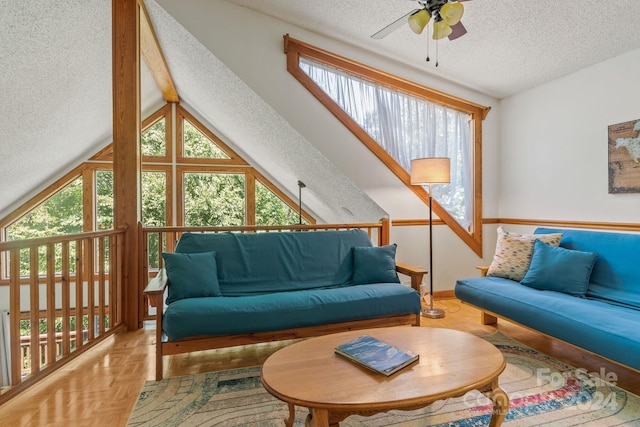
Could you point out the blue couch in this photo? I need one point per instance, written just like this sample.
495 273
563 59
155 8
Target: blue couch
605 320
228 289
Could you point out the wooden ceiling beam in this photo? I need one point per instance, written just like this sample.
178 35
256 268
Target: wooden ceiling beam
154 57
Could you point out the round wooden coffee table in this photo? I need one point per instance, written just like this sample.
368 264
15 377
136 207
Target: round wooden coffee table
310 374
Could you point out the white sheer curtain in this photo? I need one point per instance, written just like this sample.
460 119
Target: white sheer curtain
406 127
5 354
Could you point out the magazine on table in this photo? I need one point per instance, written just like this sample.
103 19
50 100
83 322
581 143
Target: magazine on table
377 355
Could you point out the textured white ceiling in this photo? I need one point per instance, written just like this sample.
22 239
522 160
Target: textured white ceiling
55 83
511 45
52 68
55 76
56 109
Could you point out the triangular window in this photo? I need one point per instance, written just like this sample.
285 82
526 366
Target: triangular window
398 121
272 210
406 127
153 140
198 145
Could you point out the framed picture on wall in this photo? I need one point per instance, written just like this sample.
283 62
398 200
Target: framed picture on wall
624 157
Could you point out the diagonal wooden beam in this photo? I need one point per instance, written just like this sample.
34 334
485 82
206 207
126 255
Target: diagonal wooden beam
154 58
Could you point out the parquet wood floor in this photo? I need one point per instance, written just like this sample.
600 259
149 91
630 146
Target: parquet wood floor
99 388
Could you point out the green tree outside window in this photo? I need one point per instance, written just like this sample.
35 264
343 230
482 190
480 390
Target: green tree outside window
198 145
214 199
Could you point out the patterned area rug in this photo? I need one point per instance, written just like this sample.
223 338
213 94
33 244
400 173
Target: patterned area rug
542 391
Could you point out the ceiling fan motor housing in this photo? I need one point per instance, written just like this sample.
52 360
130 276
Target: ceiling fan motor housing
433 6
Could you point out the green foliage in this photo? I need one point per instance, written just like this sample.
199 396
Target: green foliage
153 139
154 199
61 214
25 325
214 199
271 210
197 145
154 209
104 195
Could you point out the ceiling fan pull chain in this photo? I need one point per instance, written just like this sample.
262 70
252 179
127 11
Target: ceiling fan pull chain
436 53
427 58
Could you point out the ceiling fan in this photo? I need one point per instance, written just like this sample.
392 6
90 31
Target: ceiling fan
446 19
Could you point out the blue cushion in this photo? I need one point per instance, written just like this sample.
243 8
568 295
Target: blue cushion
617 267
375 264
285 310
261 263
191 275
559 269
605 329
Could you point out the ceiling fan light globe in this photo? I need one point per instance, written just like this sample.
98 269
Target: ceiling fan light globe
451 13
441 30
419 20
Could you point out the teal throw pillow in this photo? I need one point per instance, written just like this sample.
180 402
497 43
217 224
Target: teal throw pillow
559 269
376 264
191 275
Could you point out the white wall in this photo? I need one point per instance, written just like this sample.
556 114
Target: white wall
554 154
251 45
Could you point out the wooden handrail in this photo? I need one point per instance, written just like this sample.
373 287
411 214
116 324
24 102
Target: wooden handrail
42 241
92 296
250 228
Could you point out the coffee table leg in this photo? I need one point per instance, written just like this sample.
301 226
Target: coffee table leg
317 418
288 422
500 404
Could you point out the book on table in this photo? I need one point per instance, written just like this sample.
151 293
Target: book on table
377 355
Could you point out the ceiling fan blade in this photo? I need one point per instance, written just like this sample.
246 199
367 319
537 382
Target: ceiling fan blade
393 26
458 30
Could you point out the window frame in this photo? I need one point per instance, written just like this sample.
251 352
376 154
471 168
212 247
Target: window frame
174 170
294 49
181 115
163 113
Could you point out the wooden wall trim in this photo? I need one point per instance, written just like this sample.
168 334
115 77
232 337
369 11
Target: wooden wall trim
418 222
614 226
591 225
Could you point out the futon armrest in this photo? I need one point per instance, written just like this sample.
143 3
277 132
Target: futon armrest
416 274
156 287
483 269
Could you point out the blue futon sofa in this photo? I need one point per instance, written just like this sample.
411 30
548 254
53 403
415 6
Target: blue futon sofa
227 289
604 318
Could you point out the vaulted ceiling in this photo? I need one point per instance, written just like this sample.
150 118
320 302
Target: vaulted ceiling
55 77
510 46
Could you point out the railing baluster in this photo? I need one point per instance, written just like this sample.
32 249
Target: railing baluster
119 266
52 352
34 307
113 279
14 316
91 288
79 295
66 300
101 286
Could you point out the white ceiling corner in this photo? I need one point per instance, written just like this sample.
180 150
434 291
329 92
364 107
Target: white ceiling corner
511 45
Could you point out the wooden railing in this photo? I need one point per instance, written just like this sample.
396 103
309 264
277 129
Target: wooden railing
164 239
74 284
43 344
